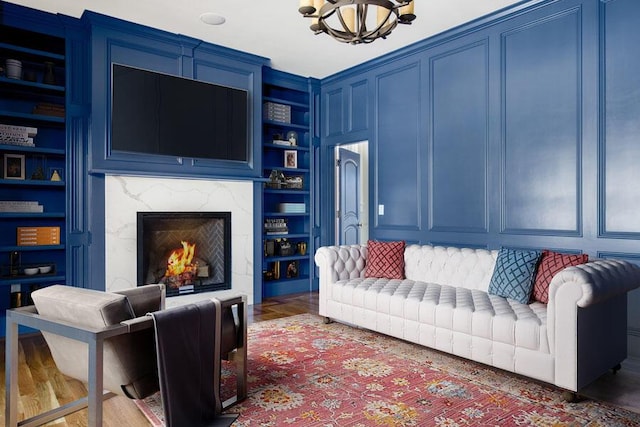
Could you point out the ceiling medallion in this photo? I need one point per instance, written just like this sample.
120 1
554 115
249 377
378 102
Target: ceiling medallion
357 21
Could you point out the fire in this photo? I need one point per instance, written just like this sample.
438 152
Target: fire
180 260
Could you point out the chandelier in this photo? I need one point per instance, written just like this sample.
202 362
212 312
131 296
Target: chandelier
357 21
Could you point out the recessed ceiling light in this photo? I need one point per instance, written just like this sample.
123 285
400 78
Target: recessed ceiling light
212 18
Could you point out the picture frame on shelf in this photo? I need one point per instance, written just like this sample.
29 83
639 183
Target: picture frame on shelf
56 174
293 269
13 166
291 159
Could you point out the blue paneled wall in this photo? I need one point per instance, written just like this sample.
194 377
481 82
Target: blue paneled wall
518 130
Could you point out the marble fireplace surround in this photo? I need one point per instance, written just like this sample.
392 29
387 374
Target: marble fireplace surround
126 195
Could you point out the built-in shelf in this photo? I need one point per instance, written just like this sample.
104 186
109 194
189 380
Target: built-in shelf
30 53
33 85
30 117
33 150
281 88
29 280
32 182
21 98
31 215
286 125
286 102
33 248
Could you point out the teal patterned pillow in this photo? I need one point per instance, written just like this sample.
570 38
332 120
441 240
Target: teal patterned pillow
513 274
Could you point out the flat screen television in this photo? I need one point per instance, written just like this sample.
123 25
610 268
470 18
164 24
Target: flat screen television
154 113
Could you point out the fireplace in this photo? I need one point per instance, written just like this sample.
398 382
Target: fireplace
190 252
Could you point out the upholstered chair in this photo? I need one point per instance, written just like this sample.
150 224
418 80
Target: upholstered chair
106 339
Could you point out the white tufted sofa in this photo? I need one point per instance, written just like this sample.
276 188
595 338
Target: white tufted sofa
443 303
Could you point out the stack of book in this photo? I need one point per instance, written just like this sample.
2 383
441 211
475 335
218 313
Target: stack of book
35 236
20 206
49 109
275 226
282 142
277 112
17 135
291 207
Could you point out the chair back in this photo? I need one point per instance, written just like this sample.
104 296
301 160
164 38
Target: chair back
129 360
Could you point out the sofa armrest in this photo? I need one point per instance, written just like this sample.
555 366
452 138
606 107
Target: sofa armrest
582 286
341 262
587 315
597 280
338 263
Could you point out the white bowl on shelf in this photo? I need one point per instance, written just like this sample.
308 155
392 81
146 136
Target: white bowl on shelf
44 269
31 271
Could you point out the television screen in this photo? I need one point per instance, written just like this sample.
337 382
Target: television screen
155 113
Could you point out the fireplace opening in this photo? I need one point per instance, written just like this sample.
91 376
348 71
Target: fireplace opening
190 252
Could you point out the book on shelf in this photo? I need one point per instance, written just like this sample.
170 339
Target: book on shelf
277 112
282 142
49 109
275 226
291 207
36 236
17 140
21 206
15 130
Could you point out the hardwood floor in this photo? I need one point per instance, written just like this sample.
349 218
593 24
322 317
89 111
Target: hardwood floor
42 386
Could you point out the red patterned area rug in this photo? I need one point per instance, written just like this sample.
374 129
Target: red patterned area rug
305 373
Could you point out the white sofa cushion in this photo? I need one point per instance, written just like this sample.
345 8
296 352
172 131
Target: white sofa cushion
468 311
469 268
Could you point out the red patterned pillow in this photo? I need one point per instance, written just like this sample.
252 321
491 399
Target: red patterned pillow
385 260
550 264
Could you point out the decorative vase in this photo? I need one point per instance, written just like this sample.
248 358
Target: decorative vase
14 69
302 248
49 75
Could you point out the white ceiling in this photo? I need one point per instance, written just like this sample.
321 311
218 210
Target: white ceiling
274 28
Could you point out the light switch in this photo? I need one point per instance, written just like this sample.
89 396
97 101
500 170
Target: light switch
381 210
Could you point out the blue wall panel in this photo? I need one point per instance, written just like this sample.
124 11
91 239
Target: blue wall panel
542 114
333 113
358 116
397 158
459 128
621 151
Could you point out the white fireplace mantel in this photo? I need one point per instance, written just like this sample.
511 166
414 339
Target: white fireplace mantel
127 195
